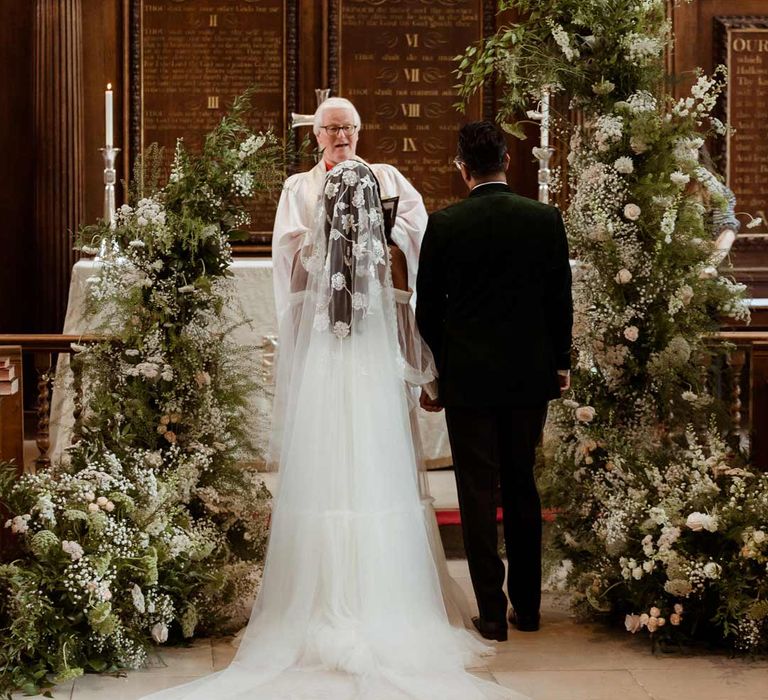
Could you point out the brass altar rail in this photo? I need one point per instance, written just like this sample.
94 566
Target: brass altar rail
42 348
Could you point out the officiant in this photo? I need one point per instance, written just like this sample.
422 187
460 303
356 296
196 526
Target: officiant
337 127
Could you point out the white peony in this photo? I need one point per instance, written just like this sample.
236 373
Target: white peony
701 521
631 333
585 414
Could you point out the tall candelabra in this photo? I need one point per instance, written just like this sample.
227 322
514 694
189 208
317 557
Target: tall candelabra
543 152
110 178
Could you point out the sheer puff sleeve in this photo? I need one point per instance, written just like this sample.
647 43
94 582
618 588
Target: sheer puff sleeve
420 367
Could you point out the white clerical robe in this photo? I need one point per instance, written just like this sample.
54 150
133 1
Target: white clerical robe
298 207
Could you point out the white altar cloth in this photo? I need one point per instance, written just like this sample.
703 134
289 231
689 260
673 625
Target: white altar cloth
253 287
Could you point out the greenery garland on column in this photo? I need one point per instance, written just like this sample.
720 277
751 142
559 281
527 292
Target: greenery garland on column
659 522
149 530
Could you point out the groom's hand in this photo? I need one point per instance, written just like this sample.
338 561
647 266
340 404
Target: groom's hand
431 405
565 380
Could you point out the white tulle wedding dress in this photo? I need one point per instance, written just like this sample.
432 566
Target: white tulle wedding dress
350 605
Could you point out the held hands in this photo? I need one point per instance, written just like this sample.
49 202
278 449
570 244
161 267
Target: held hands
428 404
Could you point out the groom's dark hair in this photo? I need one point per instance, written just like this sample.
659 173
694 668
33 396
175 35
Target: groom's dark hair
482 148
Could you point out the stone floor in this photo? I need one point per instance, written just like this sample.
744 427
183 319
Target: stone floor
564 661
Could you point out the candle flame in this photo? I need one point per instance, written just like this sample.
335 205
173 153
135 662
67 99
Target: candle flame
109 86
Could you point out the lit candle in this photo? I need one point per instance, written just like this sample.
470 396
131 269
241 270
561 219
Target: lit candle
108 114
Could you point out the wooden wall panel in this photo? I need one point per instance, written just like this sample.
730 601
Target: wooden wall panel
16 169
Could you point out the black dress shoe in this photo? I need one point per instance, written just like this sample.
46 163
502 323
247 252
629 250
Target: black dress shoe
524 623
496 631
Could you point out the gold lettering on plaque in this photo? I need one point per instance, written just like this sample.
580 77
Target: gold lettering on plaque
213 102
405 86
213 20
747 150
741 44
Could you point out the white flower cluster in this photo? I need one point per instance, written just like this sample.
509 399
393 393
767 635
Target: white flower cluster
149 212
242 182
252 144
608 130
642 49
563 40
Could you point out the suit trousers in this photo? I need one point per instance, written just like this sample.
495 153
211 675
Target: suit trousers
494 451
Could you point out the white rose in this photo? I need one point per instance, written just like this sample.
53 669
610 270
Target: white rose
674 619
701 521
632 623
585 414
632 212
637 573
654 612
631 333
653 624
623 276
102 500
758 536
160 633
712 570
93 508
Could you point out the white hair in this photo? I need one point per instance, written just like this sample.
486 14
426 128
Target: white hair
335 103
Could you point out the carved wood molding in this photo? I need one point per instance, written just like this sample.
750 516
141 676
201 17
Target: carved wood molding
59 151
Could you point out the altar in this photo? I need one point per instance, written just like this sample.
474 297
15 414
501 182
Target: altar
255 302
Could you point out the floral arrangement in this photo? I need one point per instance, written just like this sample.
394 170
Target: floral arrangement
660 522
149 529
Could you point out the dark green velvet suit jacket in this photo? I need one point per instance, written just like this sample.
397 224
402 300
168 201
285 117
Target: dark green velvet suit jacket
494 299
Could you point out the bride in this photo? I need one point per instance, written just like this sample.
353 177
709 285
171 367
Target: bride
350 606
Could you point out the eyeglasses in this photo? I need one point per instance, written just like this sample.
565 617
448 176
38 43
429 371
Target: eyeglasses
458 162
334 130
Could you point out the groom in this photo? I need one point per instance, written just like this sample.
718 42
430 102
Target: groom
494 305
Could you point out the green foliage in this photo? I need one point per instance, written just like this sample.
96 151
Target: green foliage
150 529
